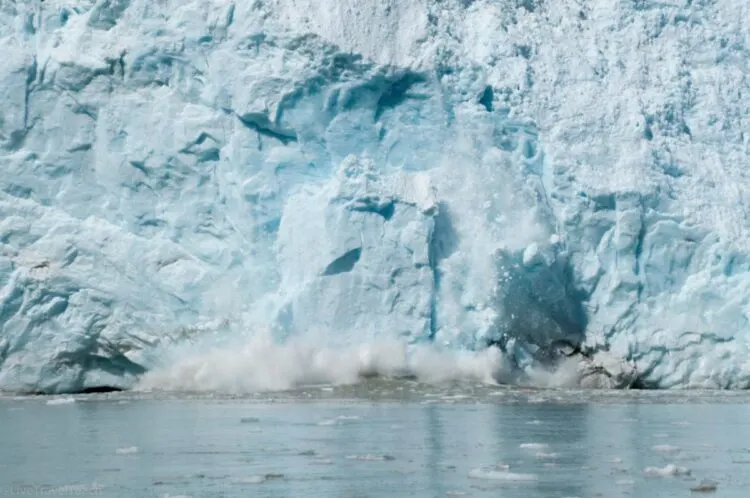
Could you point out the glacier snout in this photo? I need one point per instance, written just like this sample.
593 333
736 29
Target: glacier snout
467 175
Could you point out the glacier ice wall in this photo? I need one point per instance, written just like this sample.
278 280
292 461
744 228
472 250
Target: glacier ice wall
459 173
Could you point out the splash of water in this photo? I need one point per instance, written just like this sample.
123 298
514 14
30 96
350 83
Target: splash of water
262 364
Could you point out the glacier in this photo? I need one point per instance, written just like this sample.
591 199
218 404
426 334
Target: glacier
543 180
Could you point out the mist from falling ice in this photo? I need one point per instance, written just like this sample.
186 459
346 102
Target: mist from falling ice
263 364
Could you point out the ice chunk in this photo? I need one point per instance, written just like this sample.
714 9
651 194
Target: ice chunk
501 475
705 486
534 446
130 450
61 401
669 470
371 458
354 256
251 480
541 455
665 448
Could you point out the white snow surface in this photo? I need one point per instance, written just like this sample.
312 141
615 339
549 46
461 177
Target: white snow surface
177 174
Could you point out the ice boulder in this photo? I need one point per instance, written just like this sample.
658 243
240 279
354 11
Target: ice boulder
354 256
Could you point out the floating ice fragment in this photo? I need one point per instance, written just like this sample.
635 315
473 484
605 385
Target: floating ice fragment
705 486
258 479
665 448
371 458
534 446
530 254
501 475
61 401
541 455
251 480
130 450
670 470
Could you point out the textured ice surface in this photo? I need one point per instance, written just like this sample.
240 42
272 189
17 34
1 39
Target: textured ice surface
455 172
355 255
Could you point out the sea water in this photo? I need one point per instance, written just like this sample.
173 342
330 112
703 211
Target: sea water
378 439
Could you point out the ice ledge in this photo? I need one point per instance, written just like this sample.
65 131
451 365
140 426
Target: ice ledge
77 311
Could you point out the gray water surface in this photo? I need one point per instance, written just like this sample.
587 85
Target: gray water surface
363 443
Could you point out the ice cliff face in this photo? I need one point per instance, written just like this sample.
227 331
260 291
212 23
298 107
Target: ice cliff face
529 175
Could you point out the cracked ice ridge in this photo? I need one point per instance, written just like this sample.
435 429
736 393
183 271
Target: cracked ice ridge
466 174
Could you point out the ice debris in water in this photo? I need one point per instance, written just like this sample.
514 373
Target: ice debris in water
371 458
665 448
61 401
669 470
534 446
130 450
705 486
251 480
348 417
258 479
494 474
542 455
